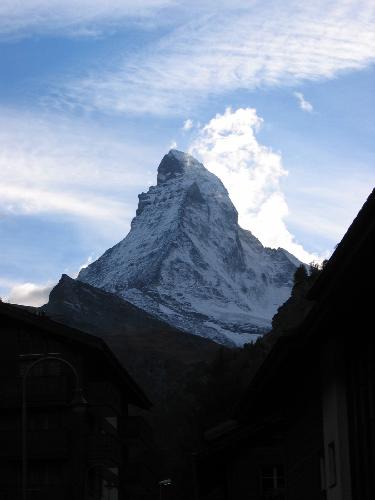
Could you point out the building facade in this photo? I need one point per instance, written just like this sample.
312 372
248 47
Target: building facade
305 429
64 402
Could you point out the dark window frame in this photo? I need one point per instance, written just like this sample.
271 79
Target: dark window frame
332 466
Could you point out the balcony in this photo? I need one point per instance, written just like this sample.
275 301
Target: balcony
40 391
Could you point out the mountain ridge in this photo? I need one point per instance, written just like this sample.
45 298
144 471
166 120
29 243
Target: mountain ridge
151 349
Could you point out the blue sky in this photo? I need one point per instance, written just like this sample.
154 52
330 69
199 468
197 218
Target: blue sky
275 97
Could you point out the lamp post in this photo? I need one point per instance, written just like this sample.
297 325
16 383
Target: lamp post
164 482
78 400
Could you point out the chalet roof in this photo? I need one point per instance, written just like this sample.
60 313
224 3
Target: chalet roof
361 230
43 323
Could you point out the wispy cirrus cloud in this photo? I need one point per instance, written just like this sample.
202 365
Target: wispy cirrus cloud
85 18
55 166
263 43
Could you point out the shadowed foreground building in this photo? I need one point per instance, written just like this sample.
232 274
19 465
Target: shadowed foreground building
76 412
305 429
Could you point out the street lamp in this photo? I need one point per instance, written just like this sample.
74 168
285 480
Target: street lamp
78 402
164 482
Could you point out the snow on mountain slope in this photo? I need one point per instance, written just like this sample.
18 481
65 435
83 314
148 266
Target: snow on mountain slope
187 261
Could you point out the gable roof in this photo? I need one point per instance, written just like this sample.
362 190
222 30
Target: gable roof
43 323
358 235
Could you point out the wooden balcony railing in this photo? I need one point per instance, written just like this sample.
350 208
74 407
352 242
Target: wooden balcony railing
40 390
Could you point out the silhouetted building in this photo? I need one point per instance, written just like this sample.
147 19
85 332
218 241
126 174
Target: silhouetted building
75 397
306 427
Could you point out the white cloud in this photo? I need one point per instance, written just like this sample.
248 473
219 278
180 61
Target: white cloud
51 165
303 103
237 46
73 17
188 124
30 200
30 294
33 294
251 172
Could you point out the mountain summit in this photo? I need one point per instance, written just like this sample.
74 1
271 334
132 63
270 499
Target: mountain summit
188 262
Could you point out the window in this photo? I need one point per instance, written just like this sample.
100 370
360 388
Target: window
48 368
322 464
272 482
332 474
45 421
44 474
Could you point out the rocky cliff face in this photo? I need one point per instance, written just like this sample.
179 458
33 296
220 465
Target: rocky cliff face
188 262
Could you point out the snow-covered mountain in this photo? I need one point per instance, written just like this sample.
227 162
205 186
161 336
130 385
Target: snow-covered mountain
188 262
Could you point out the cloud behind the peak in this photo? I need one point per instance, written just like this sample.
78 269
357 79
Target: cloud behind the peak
251 172
268 43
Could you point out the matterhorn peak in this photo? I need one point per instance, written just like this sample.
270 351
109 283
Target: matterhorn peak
188 262
179 165
176 163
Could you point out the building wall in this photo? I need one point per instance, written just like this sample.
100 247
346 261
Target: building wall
245 471
303 446
67 447
361 411
335 420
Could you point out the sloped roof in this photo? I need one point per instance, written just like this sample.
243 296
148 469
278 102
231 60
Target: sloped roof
359 233
42 322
